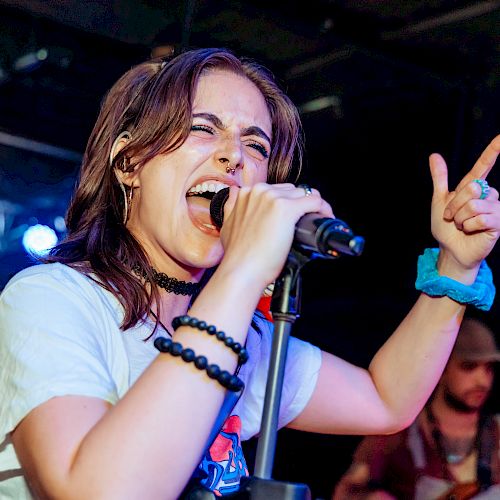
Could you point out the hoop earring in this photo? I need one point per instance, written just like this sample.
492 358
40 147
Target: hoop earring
127 200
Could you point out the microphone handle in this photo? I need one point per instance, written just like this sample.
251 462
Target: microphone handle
324 236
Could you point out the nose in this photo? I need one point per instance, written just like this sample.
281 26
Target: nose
230 156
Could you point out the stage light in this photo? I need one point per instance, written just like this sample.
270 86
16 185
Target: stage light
59 224
320 103
30 61
39 239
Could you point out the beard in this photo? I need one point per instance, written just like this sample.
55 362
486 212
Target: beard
459 404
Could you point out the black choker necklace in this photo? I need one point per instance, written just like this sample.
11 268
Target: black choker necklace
172 285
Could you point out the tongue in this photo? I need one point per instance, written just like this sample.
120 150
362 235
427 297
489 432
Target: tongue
199 208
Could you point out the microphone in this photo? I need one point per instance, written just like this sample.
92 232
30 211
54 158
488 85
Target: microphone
323 236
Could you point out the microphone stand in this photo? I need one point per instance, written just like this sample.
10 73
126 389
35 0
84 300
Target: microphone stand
322 238
285 306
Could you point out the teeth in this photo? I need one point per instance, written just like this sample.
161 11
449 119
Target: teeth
211 187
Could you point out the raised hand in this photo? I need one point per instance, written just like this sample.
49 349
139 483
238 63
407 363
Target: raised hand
465 226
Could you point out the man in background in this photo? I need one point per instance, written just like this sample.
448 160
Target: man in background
451 451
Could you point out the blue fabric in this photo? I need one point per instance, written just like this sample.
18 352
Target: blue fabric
480 294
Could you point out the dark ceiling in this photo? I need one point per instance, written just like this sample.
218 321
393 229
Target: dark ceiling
90 43
380 85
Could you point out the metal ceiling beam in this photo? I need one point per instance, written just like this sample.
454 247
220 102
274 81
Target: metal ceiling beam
453 17
25 144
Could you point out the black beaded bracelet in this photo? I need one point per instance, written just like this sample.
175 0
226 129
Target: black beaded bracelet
226 379
236 347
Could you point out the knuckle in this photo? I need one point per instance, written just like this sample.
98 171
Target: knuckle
279 203
481 220
472 206
244 191
269 194
493 194
259 187
474 189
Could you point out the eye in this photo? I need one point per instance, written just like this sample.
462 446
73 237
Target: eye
202 128
468 366
260 148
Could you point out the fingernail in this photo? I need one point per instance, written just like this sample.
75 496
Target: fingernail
447 213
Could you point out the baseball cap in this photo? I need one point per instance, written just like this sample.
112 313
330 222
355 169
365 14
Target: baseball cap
475 342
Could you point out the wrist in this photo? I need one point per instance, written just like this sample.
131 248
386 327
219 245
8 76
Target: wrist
240 292
242 278
448 266
480 293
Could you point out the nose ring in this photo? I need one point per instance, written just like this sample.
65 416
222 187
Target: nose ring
229 169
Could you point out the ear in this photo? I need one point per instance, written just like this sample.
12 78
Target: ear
129 179
126 178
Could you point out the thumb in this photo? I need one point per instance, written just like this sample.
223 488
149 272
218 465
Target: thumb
439 173
231 200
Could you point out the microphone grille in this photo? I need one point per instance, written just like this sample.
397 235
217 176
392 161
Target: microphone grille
217 206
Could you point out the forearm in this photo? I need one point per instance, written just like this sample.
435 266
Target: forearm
419 348
408 366
150 442
228 301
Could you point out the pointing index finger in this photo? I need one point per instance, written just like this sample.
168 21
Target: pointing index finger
484 163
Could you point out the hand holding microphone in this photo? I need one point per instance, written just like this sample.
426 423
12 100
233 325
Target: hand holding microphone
325 236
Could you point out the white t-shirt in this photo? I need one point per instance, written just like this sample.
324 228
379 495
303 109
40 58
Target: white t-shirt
59 335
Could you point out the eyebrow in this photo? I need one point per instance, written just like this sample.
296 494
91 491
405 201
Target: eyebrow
253 130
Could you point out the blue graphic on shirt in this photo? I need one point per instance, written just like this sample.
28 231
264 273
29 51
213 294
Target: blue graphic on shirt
224 463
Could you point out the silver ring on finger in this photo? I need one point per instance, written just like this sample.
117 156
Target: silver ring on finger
485 188
307 189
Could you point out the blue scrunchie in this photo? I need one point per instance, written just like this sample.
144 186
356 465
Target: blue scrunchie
480 294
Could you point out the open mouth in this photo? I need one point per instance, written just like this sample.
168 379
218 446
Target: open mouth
206 189
198 199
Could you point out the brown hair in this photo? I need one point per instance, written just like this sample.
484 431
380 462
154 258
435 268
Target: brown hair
153 102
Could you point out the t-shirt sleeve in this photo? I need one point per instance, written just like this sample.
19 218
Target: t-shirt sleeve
52 343
303 363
